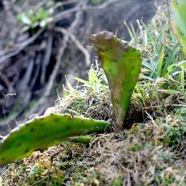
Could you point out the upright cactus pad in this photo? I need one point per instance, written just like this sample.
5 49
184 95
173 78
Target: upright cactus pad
121 64
43 132
178 22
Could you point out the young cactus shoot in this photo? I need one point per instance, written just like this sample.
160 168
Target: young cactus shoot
121 64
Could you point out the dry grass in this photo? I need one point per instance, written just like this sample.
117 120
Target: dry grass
147 154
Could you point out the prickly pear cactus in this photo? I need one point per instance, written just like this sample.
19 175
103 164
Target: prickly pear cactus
178 22
43 132
122 64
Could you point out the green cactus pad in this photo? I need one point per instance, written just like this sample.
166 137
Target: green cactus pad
121 64
178 22
43 132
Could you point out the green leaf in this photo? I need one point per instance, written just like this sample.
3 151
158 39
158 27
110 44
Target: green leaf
161 59
80 80
92 78
24 19
169 91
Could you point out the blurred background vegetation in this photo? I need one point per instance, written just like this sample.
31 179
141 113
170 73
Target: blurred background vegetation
42 41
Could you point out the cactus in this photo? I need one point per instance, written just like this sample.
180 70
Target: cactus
121 64
178 22
43 132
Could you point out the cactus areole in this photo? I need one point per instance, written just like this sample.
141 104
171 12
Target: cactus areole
121 64
43 132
